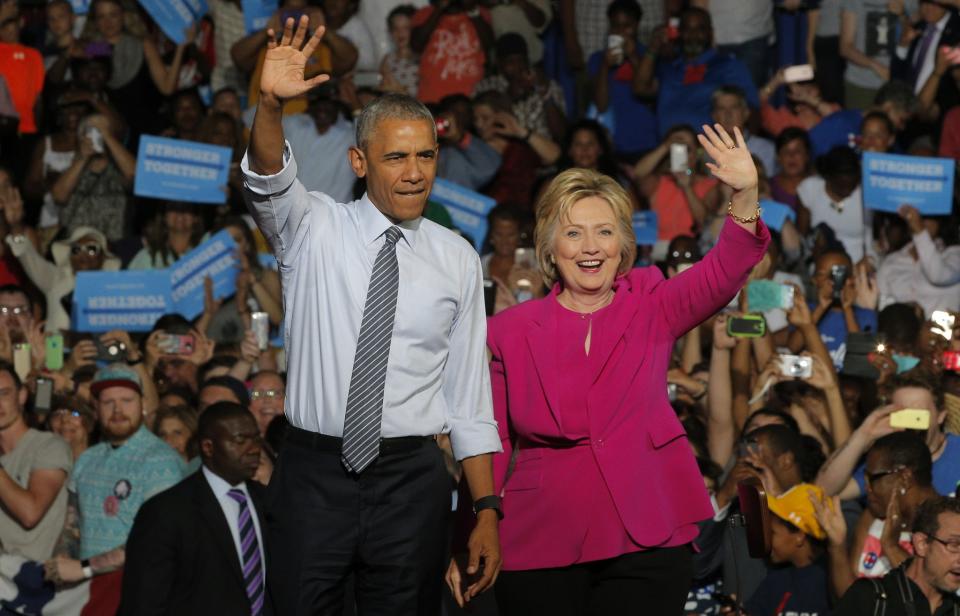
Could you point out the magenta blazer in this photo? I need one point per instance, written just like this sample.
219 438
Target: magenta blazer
635 436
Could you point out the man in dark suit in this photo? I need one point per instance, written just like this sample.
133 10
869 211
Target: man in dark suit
916 62
198 547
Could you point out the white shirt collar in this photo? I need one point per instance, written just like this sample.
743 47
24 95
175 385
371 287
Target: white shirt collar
220 486
373 223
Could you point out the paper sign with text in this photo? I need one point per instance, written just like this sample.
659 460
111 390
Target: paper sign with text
467 208
181 170
175 16
215 258
892 180
645 227
128 300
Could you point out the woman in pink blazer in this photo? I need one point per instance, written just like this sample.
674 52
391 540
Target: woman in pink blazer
601 505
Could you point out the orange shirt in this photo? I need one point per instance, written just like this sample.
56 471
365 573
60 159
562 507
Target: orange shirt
319 62
673 211
452 62
22 68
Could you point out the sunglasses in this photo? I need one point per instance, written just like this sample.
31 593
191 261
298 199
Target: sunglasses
92 250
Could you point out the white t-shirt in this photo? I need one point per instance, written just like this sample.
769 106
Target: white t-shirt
848 219
357 33
739 21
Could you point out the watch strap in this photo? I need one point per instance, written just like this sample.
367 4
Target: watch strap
87 569
488 502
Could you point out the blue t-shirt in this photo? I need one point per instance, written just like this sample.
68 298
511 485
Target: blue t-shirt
792 590
839 128
686 88
833 330
634 123
946 469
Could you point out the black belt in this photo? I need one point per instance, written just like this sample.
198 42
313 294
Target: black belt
334 444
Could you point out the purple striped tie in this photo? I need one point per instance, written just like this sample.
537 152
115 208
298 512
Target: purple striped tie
252 566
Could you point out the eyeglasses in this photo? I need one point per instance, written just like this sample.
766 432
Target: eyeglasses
877 476
13 310
63 412
952 546
686 254
269 394
92 250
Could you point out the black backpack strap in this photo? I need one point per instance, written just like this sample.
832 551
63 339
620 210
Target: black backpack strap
880 607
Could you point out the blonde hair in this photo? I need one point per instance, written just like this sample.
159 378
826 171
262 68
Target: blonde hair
561 195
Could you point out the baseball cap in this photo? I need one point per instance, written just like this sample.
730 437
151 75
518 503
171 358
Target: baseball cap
795 507
116 375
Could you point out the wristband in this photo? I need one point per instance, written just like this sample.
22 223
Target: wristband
488 502
87 569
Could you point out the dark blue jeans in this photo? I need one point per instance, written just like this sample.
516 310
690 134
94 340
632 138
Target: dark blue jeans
755 53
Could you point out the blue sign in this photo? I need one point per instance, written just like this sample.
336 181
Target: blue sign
467 208
892 180
80 7
774 214
128 300
256 13
645 227
175 16
182 170
215 258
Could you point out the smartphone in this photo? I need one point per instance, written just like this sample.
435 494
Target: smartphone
54 353
796 366
764 295
856 361
839 275
44 396
671 391
96 139
110 351
951 360
443 127
747 326
525 257
912 419
756 517
260 324
176 344
800 72
21 360
678 157
673 28
615 44
489 296
943 323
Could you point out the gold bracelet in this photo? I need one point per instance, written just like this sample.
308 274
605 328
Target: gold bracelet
744 221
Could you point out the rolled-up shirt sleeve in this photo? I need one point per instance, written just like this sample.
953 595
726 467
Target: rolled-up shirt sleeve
280 204
466 383
942 269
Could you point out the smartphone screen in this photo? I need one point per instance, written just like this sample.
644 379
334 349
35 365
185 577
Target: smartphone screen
678 157
44 397
489 295
53 358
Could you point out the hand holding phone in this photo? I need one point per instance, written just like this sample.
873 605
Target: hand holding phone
747 326
911 419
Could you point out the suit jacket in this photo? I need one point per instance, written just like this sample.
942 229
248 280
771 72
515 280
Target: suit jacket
181 558
635 436
903 69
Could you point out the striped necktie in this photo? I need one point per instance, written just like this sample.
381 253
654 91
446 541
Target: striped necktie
250 560
361 424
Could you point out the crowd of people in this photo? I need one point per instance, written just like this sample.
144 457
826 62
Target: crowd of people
109 441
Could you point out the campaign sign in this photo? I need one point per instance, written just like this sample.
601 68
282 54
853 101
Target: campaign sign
128 300
645 227
80 7
774 214
256 13
214 258
467 208
892 180
175 16
181 170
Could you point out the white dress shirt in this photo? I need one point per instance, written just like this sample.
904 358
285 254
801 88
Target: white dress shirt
231 509
932 280
437 376
928 63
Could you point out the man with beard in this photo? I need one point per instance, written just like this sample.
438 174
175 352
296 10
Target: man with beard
925 584
684 83
199 547
111 480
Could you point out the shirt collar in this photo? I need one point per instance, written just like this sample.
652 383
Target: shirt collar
942 22
373 223
219 485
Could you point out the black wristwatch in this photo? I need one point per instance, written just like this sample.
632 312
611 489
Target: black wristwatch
488 502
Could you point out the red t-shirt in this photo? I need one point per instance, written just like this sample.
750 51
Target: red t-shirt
22 68
950 135
452 62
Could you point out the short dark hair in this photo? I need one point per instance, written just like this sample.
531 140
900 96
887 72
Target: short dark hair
231 383
899 325
909 450
631 8
217 412
785 418
511 44
406 10
7 367
899 94
728 90
15 288
927 519
879 116
919 380
793 133
840 161
806 450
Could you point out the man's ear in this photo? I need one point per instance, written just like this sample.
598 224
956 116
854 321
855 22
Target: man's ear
921 543
358 161
206 447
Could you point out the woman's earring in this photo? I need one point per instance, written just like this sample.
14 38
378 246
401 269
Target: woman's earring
903 490
553 259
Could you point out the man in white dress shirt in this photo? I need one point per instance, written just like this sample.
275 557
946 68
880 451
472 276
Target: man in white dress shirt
385 339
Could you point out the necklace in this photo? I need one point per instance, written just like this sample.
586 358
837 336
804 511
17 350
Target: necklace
589 314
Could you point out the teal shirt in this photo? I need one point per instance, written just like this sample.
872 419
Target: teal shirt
111 484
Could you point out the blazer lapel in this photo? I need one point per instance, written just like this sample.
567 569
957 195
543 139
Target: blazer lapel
216 521
256 492
542 342
604 338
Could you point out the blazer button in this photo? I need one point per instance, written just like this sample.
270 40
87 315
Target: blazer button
598 443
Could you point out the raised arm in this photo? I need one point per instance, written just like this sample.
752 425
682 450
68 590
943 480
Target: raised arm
691 297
